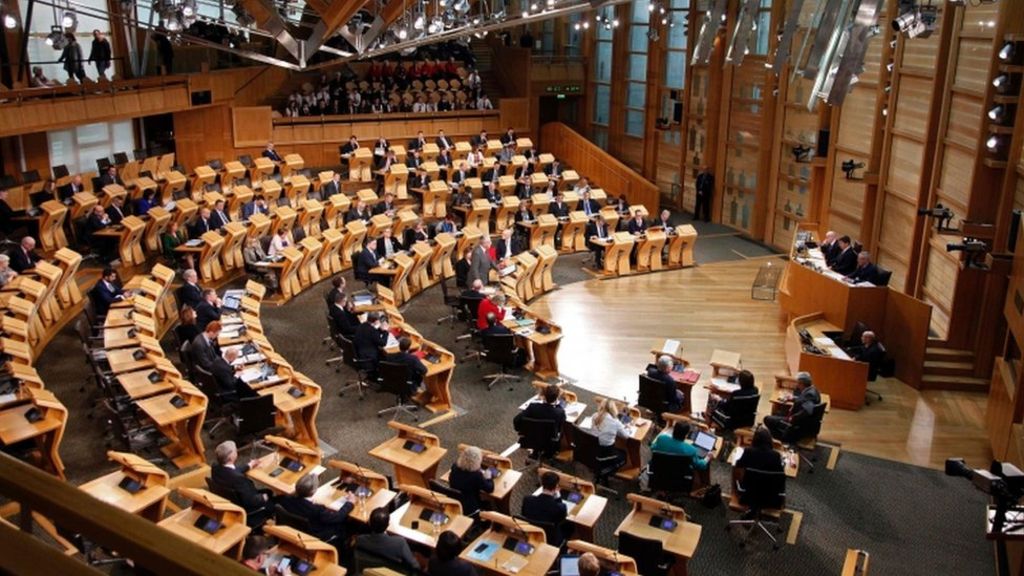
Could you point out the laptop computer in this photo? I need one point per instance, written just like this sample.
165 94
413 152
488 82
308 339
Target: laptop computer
703 442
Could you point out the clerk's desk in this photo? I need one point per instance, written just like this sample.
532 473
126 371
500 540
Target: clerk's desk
412 520
583 514
411 468
610 560
332 494
900 321
508 562
138 487
292 461
227 540
680 542
845 380
292 543
504 482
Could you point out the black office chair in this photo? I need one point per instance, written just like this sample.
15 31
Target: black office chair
542 438
286 518
364 559
554 533
254 519
587 451
762 495
651 397
395 379
803 436
362 367
736 413
245 160
253 418
501 350
333 336
452 301
882 277
671 473
650 557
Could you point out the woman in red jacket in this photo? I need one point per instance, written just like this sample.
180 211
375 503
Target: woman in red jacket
495 305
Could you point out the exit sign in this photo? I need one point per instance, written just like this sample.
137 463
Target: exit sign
564 89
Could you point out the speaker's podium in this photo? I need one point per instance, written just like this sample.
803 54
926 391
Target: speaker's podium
617 249
51 225
395 181
359 165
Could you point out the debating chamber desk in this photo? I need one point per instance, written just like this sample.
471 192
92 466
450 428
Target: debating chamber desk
807 288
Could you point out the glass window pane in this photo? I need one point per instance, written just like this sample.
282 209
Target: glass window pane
603 62
600 137
677 32
602 32
637 66
675 69
78 148
638 38
635 95
42 21
602 101
641 10
763 29
635 123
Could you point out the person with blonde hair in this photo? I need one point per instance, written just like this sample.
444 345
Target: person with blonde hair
608 427
6 272
468 478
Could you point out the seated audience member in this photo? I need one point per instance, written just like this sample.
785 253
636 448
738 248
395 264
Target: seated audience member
226 375
467 477
597 231
6 272
219 217
187 330
226 473
588 565
116 210
208 309
549 409
386 206
254 556
761 454
664 221
98 220
111 177
366 261
493 306
675 443
446 561
171 238
324 523
745 378
607 427
417 370
387 246
205 350
379 543
637 225
870 351
360 212
280 241
343 316
418 233
143 205
107 291
448 225
190 293
788 428
370 338
507 246
865 271
24 257
202 224
846 259
255 259
830 247
548 507
662 372
258 205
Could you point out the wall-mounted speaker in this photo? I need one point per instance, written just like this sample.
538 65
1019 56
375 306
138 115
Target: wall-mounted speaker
202 98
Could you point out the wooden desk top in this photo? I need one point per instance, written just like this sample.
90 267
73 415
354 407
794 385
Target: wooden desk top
587 511
333 496
391 451
681 542
160 409
15 428
726 359
106 488
284 482
183 524
122 360
423 534
119 337
137 385
285 402
507 562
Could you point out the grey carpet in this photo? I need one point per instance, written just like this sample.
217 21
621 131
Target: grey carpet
912 520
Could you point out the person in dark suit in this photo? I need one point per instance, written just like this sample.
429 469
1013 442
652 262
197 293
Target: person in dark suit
230 475
443 142
106 292
705 189
788 428
272 154
549 409
866 271
479 141
661 371
418 233
208 309
387 245
417 142
332 187
24 257
745 378
347 149
559 209
111 177
459 176
387 206
326 524
343 316
588 205
508 138
490 193
830 247
548 508
71 188
524 214
97 220
507 246
462 267
597 230
219 217
417 370
637 225
414 160
481 263
470 480
116 211
761 454
664 221
360 212
380 152
337 286
846 261
226 375
388 546
190 294
366 260
554 170
371 337
202 225
255 206
446 561
870 351
204 348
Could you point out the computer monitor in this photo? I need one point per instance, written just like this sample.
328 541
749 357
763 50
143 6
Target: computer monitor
60 171
705 441
569 565
120 158
102 164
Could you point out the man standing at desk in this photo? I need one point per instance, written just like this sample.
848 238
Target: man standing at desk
661 371
787 428
481 263
190 294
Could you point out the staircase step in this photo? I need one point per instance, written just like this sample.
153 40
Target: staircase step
961 383
949 368
939 353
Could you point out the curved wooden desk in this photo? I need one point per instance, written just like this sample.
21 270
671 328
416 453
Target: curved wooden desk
845 380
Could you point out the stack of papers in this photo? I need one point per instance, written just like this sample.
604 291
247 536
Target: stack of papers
724 385
249 359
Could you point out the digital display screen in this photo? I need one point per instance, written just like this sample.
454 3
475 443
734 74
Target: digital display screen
291 464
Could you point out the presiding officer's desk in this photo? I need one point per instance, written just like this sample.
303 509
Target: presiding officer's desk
583 505
510 547
845 380
355 478
681 541
414 453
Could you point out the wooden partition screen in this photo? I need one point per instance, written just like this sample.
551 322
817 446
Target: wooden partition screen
601 168
253 125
